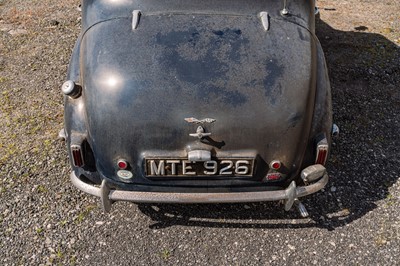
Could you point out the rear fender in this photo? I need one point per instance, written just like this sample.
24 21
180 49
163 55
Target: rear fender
322 117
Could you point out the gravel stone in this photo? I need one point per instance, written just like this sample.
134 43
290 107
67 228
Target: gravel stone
18 32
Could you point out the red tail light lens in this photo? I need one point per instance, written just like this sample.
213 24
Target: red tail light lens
77 156
322 152
275 165
321 157
273 176
122 164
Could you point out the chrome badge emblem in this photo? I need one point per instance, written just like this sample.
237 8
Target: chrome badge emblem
200 133
202 121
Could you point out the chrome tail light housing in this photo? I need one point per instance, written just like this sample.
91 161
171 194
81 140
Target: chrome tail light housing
322 151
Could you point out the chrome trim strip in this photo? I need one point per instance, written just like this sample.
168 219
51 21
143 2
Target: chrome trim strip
265 20
135 19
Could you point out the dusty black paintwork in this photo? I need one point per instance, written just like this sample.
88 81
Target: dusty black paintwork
268 90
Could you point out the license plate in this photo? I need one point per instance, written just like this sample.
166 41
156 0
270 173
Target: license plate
183 167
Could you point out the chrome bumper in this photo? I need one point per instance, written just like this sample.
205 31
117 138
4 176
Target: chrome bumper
108 195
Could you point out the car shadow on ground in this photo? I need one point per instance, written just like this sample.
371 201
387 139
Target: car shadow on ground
365 74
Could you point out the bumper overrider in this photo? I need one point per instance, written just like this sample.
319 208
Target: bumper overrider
315 177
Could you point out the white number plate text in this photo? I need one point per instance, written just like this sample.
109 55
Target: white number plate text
182 167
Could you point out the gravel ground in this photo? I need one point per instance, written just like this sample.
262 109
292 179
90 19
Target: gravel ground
356 220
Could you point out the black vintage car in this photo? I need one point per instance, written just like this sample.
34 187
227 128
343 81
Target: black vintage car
205 101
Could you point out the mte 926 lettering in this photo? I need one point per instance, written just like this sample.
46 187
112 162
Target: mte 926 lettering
183 167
